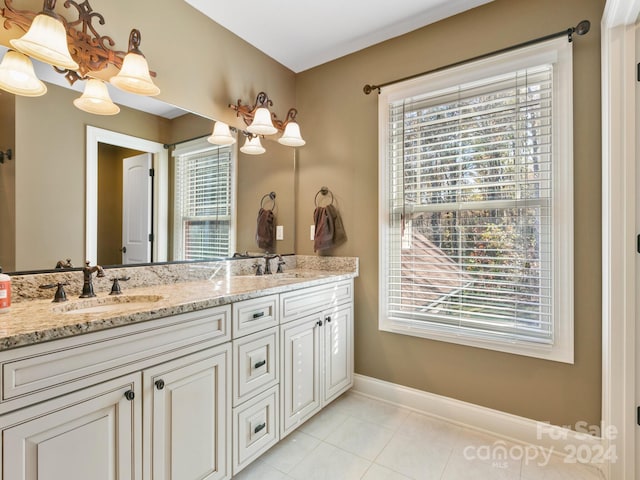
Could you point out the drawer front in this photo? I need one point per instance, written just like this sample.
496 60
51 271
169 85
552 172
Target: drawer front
255 428
250 316
41 367
300 303
256 364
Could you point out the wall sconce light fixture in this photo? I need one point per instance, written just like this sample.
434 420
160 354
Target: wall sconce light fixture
75 49
260 121
252 145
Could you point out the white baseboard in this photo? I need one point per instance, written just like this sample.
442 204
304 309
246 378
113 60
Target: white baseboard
561 441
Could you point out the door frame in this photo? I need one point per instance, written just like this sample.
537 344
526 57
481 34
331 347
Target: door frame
618 64
160 154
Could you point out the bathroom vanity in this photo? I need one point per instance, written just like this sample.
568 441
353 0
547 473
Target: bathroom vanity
185 380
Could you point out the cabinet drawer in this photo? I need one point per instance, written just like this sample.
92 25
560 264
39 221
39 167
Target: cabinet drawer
255 428
45 366
256 364
250 316
303 302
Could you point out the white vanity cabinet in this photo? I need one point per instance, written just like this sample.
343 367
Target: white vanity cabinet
316 334
148 400
196 395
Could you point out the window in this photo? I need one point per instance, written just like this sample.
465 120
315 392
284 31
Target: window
476 201
204 226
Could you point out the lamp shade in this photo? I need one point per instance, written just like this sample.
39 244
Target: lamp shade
134 76
96 99
262 124
17 76
291 136
46 40
221 135
252 146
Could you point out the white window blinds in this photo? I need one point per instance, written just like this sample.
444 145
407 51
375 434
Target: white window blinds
204 203
469 244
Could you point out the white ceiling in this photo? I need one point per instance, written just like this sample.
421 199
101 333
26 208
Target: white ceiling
302 34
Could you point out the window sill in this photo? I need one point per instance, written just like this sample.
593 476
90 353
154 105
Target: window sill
558 353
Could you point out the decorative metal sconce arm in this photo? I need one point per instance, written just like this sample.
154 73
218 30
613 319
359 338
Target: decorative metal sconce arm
290 117
20 18
134 41
247 112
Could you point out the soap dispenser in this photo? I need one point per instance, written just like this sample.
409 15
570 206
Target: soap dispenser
5 292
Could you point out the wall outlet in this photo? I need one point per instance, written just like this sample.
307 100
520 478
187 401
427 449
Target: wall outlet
279 232
312 232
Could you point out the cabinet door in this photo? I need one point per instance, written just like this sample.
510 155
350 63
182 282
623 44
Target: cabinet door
187 429
91 434
338 351
300 344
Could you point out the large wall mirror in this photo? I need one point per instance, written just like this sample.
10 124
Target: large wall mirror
44 193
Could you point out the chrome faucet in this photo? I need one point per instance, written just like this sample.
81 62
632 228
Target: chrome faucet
87 286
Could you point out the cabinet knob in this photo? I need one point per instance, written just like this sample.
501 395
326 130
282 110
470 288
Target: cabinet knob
260 363
328 319
129 395
159 384
259 427
319 323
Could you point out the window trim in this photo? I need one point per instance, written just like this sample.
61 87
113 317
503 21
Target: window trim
195 147
556 51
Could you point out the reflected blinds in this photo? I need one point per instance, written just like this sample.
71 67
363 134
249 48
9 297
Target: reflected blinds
203 203
470 192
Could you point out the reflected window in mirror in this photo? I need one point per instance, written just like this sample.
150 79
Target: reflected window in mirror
204 200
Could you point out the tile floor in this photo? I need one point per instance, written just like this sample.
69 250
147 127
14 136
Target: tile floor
359 438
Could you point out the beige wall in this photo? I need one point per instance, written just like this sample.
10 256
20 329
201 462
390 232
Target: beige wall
7 184
340 125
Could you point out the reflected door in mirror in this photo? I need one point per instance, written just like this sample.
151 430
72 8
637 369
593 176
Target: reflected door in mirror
136 209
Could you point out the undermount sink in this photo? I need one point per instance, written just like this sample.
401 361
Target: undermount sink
107 304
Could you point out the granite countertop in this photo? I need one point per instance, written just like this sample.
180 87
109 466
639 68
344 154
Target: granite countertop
39 320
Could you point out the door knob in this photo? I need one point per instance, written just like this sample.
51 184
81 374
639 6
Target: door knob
123 249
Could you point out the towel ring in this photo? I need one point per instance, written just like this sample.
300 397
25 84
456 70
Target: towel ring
324 191
271 196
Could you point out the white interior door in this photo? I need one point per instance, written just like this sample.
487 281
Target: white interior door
136 209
